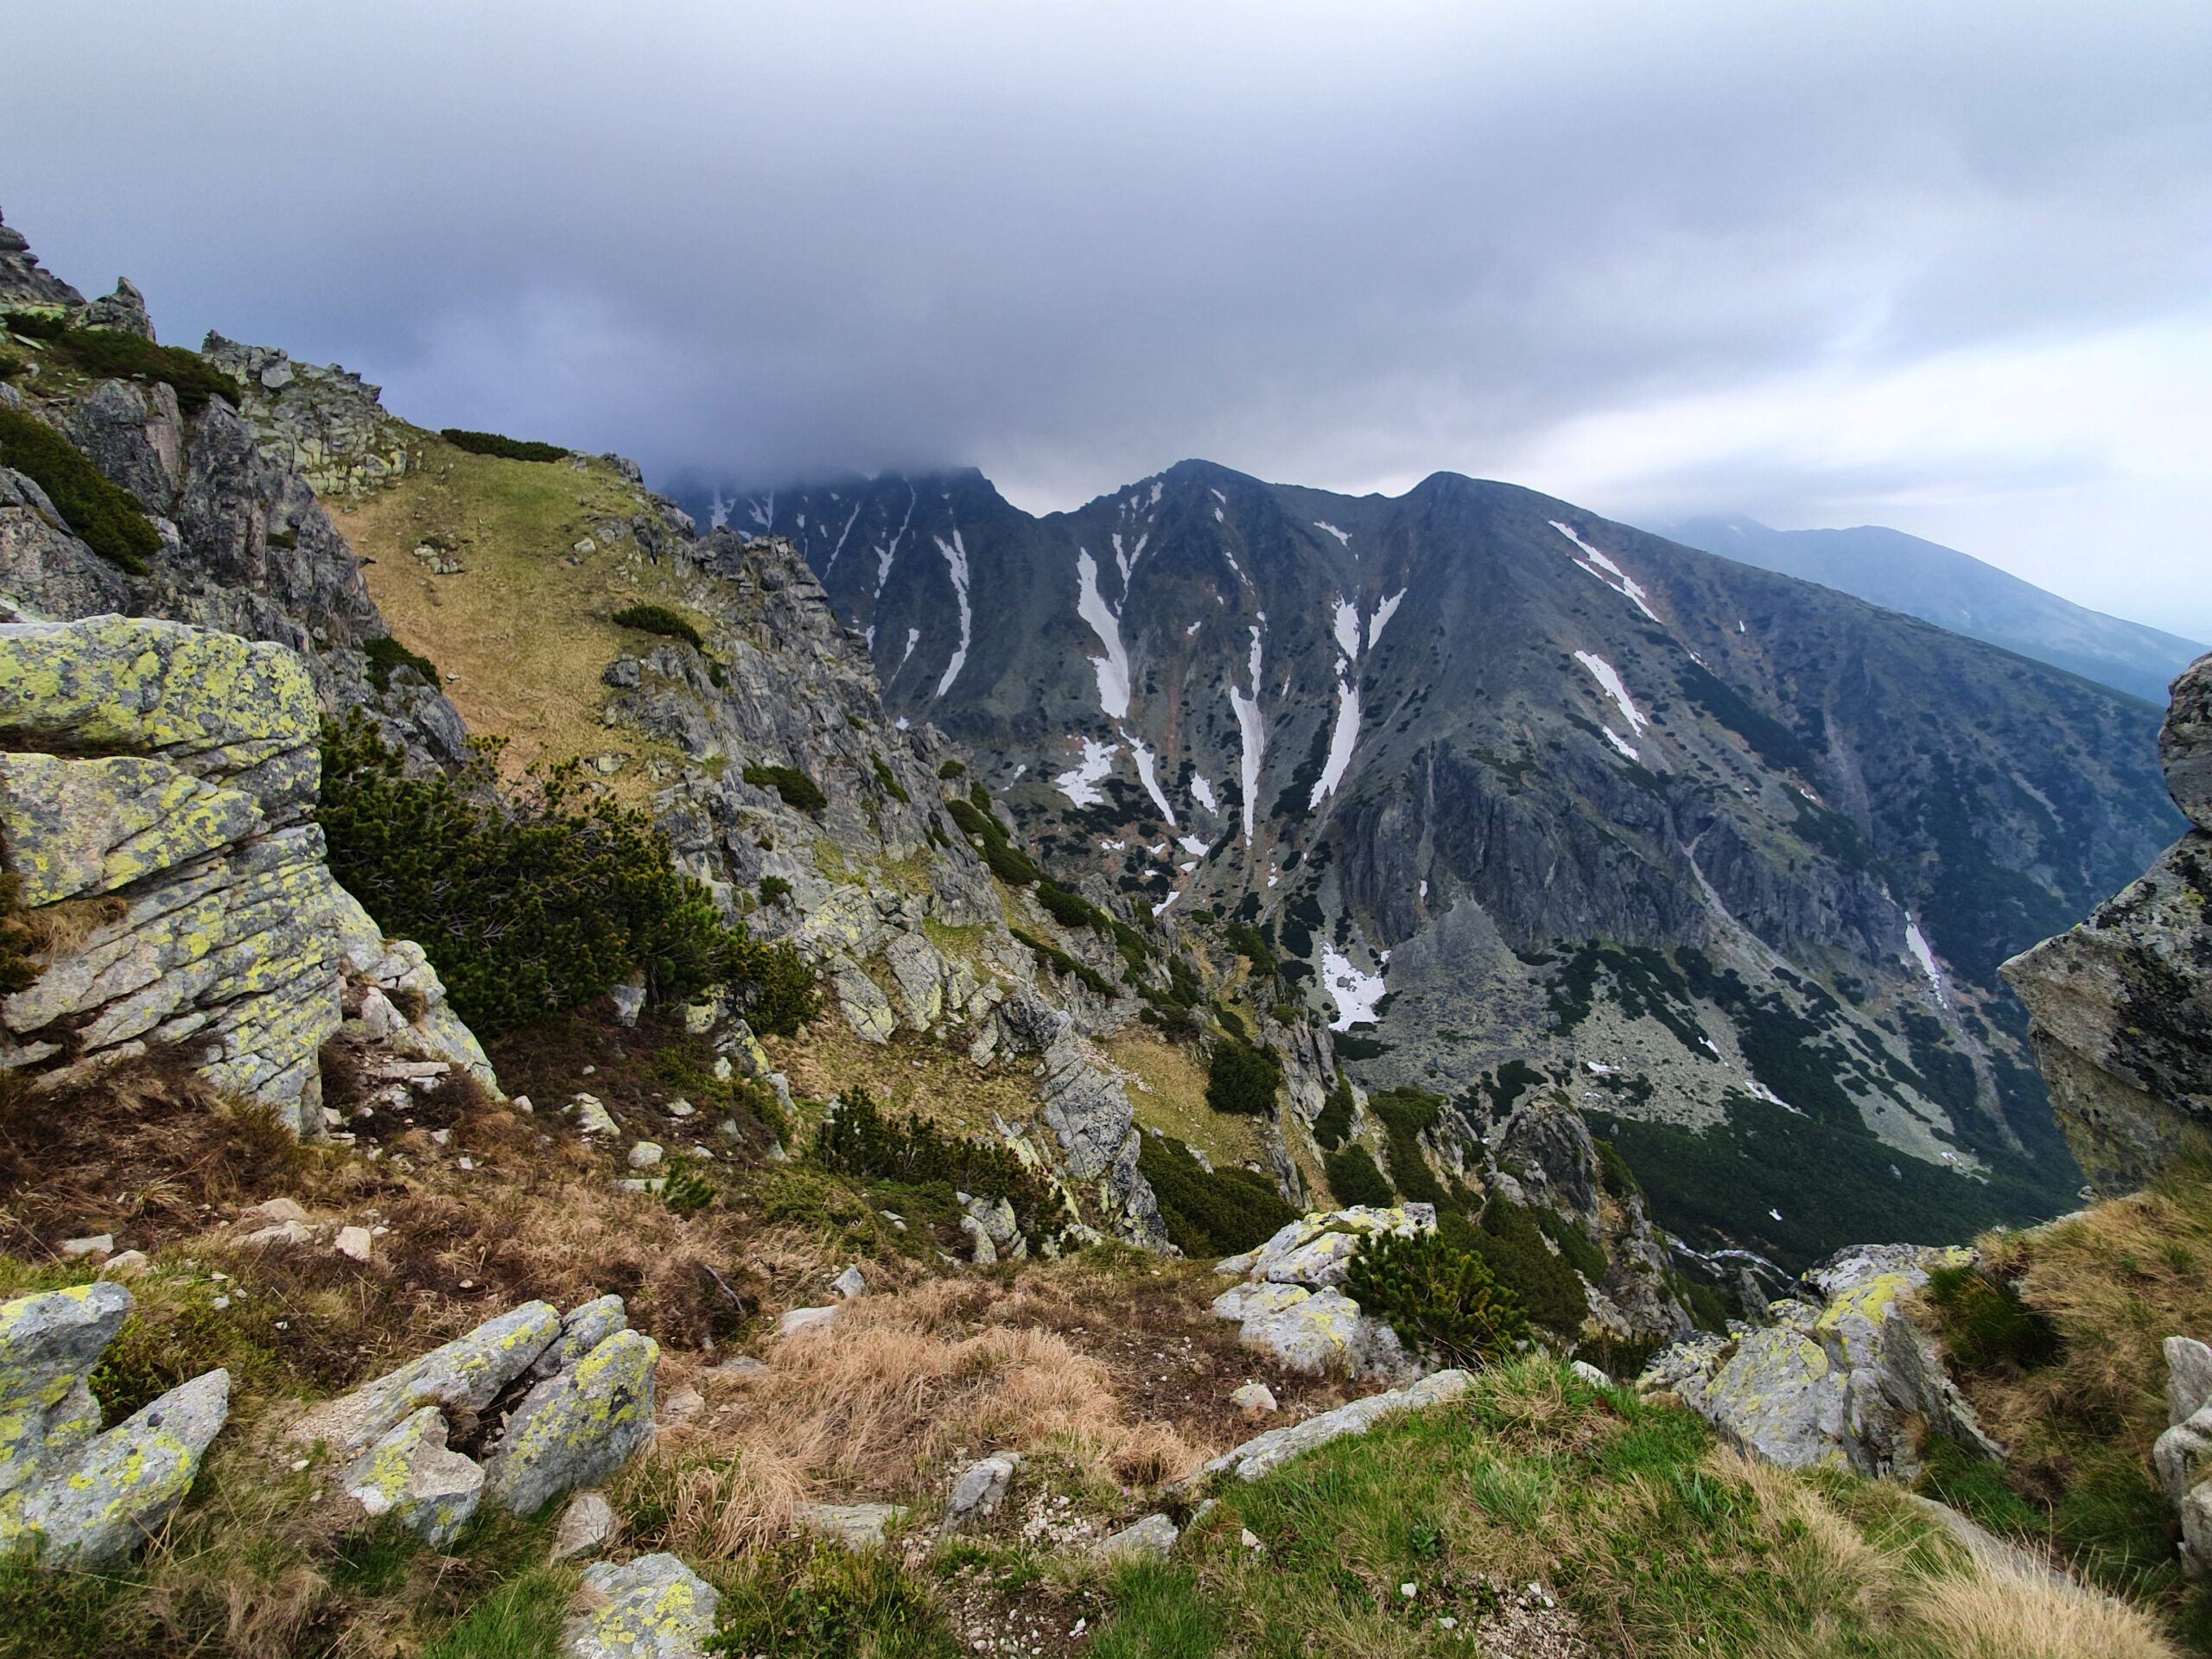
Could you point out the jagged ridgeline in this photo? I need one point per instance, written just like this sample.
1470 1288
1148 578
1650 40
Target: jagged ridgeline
1515 800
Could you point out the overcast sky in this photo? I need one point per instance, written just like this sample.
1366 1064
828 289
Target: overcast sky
1946 267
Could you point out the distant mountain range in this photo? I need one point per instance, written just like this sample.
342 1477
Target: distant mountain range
1518 796
1957 591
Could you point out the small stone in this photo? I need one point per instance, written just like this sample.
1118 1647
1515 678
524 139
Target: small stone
680 1109
629 1000
592 1117
1255 1398
273 1211
588 1523
1591 1375
979 1488
682 1405
521 1103
1154 1536
95 1244
738 1365
1250 1539
645 1154
850 1283
801 1320
127 1264
856 1526
352 1242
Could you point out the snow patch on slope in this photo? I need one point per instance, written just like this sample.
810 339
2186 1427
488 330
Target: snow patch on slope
1080 783
1354 993
1383 612
1201 791
1346 627
1342 737
1145 772
1113 669
955 559
1609 682
1916 941
1252 733
1344 536
1623 745
1607 572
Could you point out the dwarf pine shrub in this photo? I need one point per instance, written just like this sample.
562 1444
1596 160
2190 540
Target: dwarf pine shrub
386 653
1242 1079
105 515
1440 1300
492 443
659 619
531 905
797 789
861 1139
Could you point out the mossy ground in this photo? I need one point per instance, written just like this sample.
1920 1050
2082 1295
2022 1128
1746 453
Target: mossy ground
523 632
1173 1096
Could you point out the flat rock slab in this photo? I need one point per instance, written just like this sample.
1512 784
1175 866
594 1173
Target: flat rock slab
1266 1452
1151 1538
654 1607
856 1526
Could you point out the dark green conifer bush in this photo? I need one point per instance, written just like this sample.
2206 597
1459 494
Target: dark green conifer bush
797 789
529 905
1209 1213
1354 1178
1242 1079
491 443
861 1139
1440 1300
659 619
1332 1126
112 354
108 516
387 654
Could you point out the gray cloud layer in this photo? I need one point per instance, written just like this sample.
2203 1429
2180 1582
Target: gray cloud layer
1944 267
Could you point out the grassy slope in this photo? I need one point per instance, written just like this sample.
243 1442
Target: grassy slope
524 633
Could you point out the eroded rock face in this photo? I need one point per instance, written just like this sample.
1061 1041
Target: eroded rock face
325 423
1840 1378
162 779
82 1498
2121 1006
1291 1303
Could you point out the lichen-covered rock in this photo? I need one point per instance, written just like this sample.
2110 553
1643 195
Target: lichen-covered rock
99 1504
1151 1538
465 1374
1264 1453
410 1475
582 1329
48 1344
578 1427
2121 1007
1316 1249
654 1607
856 1526
1290 1305
1839 1378
326 424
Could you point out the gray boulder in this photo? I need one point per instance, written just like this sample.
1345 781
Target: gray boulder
465 1374
1151 1538
1264 1453
48 1346
654 1607
411 1476
577 1429
96 1507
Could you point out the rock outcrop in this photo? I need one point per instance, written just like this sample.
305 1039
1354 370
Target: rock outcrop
26 283
1264 1453
156 800
1839 1377
556 1404
1291 1303
654 1607
2121 1007
80 1497
325 423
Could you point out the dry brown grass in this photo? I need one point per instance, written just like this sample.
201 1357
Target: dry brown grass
902 1384
909 1074
52 928
1999 1617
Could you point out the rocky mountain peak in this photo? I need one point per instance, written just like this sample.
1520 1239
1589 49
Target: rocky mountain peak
23 281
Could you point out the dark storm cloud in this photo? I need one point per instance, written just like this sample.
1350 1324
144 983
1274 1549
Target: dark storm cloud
1346 245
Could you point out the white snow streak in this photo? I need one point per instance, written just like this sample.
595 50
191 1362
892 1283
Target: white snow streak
1342 737
884 555
1347 627
1080 783
1253 734
1151 778
1194 846
1383 612
955 559
1113 668
831 563
1160 908
1603 568
1344 536
1602 671
1355 993
914 637
1623 745
1193 629
1916 943
1201 791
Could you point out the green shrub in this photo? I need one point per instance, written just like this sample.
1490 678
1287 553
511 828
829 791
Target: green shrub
1986 1326
108 516
659 619
1062 963
952 769
1242 1079
1405 1115
890 784
1584 1256
1614 1172
491 443
795 786
386 653
861 1139
112 354
686 1189
980 825
1209 1213
777 990
1440 1300
1510 1241
774 889
1332 1126
527 907
1071 909
1246 941
1354 1178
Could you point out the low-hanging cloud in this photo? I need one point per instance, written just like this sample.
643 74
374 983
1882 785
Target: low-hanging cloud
1625 253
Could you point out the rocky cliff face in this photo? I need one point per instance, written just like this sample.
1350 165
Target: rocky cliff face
156 802
2121 1006
1503 784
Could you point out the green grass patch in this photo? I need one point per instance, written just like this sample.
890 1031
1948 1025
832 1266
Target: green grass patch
106 516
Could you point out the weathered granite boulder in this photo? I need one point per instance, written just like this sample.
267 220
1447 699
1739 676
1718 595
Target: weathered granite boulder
654 1607
465 1374
24 281
83 1498
2121 1007
1839 1378
169 773
1291 1304
123 310
410 1475
577 1427
42 564
1264 1453
325 423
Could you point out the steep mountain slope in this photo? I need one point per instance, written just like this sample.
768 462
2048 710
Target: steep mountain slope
1518 795
1957 591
